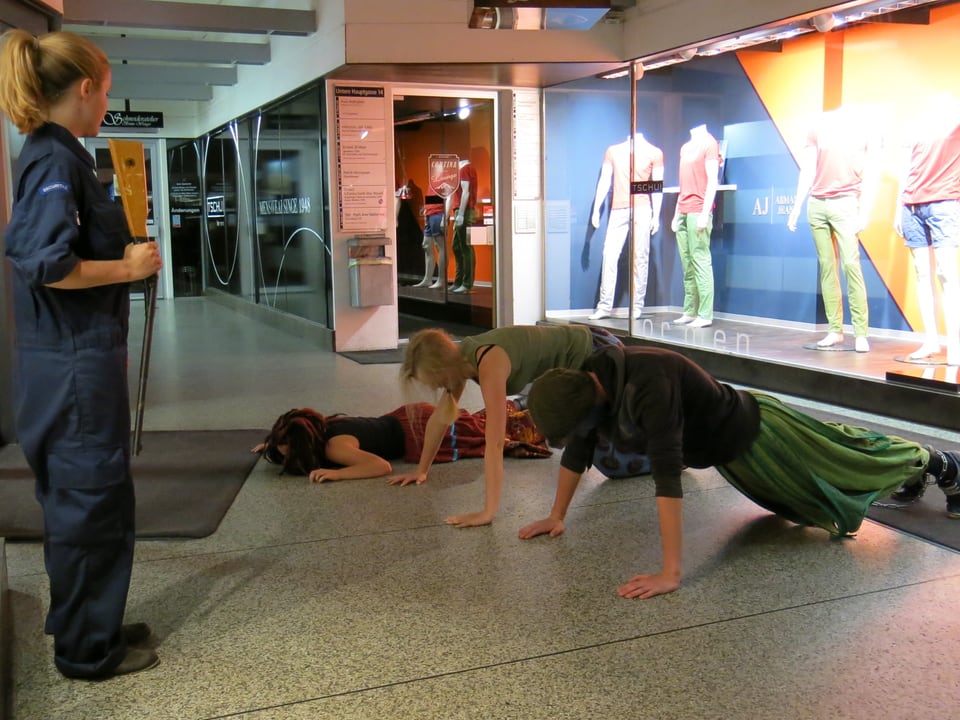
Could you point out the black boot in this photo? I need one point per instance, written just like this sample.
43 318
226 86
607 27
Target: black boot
949 481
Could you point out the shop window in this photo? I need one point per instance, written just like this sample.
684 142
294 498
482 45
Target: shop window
752 115
292 253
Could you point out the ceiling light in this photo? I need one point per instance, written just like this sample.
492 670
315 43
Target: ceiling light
824 22
615 74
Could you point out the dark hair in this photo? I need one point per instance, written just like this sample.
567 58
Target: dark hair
304 432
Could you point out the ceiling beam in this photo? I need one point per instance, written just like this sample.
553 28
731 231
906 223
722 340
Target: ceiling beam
185 51
133 90
189 17
174 74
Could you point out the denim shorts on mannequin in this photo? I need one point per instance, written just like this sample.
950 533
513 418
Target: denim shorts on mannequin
932 224
434 226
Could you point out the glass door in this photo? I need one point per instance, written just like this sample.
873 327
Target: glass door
100 149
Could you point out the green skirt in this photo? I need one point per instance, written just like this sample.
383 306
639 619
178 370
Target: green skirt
821 473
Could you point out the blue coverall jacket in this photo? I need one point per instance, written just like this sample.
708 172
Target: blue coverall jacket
72 400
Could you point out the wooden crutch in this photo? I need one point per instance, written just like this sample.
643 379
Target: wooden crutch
131 178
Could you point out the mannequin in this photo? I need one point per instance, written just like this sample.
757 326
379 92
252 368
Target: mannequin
928 218
615 176
839 170
462 207
693 222
434 238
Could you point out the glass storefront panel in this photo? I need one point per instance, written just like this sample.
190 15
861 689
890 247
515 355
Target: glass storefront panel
293 255
262 220
186 215
223 226
851 106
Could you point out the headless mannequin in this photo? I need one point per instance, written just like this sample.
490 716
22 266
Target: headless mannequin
463 253
929 187
693 238
841 153
615 175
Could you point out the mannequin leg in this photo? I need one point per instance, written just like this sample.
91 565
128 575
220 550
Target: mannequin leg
686 233
617 226
701 262
931 338
441 245
427 261
948 273
820 228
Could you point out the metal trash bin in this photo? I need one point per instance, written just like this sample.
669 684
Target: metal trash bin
371 281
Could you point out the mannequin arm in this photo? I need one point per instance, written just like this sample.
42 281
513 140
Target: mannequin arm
603 187
710 194
808 167
464 202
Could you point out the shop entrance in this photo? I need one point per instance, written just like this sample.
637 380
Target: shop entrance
446 246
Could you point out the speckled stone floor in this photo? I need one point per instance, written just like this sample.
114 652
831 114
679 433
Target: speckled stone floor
354 600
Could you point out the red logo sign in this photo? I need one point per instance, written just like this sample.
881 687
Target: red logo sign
444 173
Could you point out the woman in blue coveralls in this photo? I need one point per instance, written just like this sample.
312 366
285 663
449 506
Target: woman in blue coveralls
72 261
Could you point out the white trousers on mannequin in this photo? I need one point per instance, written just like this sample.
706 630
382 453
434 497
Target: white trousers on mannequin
618 225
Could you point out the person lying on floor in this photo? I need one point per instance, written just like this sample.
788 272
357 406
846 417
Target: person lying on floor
661 403
343 447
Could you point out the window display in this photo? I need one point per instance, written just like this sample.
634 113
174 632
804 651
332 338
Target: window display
445 247
813 125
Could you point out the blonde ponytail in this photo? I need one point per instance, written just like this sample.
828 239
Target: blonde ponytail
35 73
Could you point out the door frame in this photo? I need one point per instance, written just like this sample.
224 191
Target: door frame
156 150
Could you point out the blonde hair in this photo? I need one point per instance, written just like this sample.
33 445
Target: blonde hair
432 353
36 71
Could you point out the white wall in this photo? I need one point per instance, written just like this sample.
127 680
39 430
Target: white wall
362 328
294 62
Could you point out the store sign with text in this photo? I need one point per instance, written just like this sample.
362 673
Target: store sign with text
136 120
444 173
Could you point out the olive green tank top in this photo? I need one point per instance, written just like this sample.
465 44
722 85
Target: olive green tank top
533 349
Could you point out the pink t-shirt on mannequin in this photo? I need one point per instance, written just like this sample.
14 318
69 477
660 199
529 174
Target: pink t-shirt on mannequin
694 154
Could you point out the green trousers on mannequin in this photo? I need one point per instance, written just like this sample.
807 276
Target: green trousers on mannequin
836 218
697 264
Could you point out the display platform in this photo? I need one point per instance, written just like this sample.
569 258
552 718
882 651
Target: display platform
939 377
779 359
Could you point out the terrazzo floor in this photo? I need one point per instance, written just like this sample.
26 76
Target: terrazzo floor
354 600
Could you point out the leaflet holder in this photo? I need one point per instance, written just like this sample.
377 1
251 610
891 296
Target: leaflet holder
371 271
